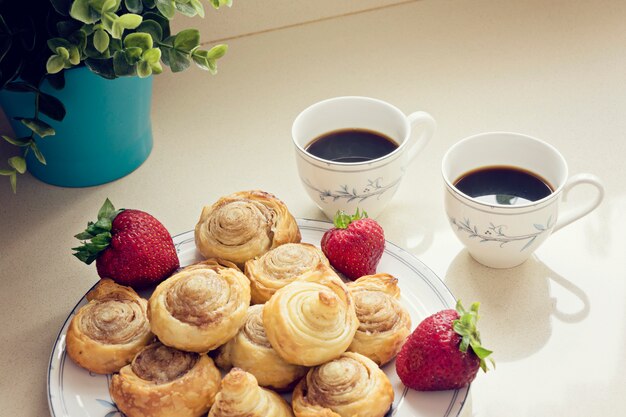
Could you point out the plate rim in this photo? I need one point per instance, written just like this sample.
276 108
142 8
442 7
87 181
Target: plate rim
320 224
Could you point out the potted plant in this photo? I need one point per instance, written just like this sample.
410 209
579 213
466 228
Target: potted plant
75 80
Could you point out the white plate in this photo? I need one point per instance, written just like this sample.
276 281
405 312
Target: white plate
75 392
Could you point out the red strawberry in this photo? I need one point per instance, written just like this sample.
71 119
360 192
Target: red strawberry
443 352
129 246
354 246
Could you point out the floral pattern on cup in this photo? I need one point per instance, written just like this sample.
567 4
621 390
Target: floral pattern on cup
496 233
373 188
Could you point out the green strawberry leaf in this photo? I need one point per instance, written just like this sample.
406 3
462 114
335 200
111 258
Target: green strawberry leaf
465 326
106 210
343 220
96 236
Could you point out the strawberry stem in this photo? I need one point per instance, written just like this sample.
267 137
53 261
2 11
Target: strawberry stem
343 220
97 236
465 326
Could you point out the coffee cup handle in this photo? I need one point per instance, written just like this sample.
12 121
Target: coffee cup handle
419 141
574 214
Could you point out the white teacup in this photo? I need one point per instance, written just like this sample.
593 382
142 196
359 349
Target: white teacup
367 185
500 235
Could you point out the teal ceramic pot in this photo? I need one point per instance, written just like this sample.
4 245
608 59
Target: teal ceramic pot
106 133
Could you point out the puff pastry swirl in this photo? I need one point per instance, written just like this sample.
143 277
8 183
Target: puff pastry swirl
200 307
243 225
312 320
279 267
241 395
251 351
165 382
349 386
106 333
384 323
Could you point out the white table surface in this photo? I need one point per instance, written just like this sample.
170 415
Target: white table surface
552 69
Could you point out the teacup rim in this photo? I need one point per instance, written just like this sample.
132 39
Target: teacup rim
391 154
554 194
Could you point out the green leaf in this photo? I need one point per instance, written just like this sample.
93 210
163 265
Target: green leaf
101 40
110 6
13 181
139 40
133 55
144 69
107 22
166 7
187 40
51 107
205 63
63 53
16 141
81 10
161 20
55 43
217 3
88 29
74 57
40 127
107 210
7 172
152 55
121 65
217 51
198 6
178 61
156 67
18 163
129 20
37 153
152 28
186 9
116 30
102 67
134 6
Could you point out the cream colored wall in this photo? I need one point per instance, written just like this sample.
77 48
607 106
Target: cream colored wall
253 16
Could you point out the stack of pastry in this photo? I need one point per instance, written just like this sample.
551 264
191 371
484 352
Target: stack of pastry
287 320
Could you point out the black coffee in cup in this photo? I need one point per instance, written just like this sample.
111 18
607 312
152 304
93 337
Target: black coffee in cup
504 185
351 145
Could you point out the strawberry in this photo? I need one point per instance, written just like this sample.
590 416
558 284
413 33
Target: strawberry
355 245
129 246
443 352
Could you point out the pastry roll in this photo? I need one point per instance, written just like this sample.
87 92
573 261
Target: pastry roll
312 320
349 386
251 351
106 333
279 267
384 323
241 396
200 307
165 382
243 225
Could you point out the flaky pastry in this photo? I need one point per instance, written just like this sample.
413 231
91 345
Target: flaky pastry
384 323
243 225
349 386
165 382
279 267
241 396
251 351
200 307
312 320
106 333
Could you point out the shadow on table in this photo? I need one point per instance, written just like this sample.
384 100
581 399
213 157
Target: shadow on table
516 305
